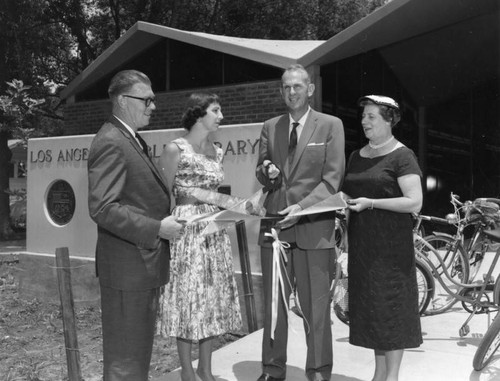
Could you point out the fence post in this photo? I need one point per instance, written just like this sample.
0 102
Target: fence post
66 295
246 275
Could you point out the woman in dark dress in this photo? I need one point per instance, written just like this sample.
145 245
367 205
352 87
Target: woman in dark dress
383 187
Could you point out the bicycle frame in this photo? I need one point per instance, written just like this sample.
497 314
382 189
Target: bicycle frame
480 287
434 269
468 214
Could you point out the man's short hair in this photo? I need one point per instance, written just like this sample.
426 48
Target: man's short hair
124 80
298 67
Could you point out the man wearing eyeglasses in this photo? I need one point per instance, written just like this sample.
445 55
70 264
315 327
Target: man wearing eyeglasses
130 202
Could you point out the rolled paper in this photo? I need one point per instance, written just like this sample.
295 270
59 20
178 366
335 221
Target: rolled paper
334 202
251 206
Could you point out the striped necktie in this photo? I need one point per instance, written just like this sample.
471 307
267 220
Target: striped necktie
143 144
293 141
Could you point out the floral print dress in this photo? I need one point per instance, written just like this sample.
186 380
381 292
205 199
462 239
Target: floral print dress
201 298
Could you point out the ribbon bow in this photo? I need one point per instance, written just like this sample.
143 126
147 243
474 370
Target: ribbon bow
279 253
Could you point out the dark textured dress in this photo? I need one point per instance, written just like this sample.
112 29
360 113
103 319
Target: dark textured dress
383 306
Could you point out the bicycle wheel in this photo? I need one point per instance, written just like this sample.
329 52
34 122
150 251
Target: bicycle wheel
456 265
341 234
476 248
488 346
339 292
340 302
425 284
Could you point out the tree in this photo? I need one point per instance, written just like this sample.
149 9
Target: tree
292 19
55 40
17 115
47 43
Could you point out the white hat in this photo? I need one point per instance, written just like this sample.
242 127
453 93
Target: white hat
380 100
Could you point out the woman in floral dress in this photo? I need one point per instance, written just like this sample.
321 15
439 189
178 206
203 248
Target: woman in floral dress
200 301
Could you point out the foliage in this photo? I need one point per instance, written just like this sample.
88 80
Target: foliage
18 209
47 43
18 118
17 109
293 19
51 41
32 336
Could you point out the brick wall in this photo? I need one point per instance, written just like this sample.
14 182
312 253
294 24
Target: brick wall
247 103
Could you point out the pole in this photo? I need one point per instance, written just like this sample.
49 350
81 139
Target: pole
69 325
246 275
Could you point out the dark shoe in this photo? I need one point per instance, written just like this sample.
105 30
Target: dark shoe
268 377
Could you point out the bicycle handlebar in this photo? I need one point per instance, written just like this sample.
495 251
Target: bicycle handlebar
438 220
455 199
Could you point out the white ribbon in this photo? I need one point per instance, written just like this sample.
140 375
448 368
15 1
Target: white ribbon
279 253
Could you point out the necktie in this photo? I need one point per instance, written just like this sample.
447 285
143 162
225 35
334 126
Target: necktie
293 141
143 144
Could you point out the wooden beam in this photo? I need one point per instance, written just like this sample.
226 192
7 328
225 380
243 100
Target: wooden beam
69 323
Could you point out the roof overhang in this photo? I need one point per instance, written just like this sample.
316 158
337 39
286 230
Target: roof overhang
436 48
142 35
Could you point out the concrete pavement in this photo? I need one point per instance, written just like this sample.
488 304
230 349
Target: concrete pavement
444 355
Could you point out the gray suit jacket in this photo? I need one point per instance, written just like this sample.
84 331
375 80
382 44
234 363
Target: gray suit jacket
316 173
128 198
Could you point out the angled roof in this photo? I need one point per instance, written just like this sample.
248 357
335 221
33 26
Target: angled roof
142 35
436 48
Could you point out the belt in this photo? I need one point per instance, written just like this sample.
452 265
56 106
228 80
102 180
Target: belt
187 201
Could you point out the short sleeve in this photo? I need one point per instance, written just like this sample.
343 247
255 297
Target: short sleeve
407 163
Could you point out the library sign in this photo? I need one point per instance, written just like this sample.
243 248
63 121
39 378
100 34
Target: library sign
231 148
58 188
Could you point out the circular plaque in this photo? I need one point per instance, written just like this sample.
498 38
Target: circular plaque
61 202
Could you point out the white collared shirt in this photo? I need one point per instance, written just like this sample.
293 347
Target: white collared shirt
301 121
130 130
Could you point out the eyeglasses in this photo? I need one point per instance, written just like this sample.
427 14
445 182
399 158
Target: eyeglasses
147 101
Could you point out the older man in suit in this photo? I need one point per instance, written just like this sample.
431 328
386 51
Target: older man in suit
301 162
130 202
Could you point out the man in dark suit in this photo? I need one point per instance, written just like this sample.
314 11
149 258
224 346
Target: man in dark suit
130 202
301 162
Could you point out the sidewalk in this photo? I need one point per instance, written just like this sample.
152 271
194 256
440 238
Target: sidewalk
12 247
444 356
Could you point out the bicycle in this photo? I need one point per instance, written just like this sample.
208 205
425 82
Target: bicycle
479 303
459 257
340 294
454 260
480 214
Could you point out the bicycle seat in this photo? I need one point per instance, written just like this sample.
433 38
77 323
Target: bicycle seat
494 200
485 210
494 235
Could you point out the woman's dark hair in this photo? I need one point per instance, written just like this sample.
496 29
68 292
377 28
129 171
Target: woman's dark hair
389 114
196 107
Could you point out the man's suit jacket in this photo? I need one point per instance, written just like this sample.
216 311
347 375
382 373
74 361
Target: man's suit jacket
315 173
128 198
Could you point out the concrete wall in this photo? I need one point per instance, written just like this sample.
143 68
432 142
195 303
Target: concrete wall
65 158
246 103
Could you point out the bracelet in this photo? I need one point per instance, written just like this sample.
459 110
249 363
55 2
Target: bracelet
371 206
